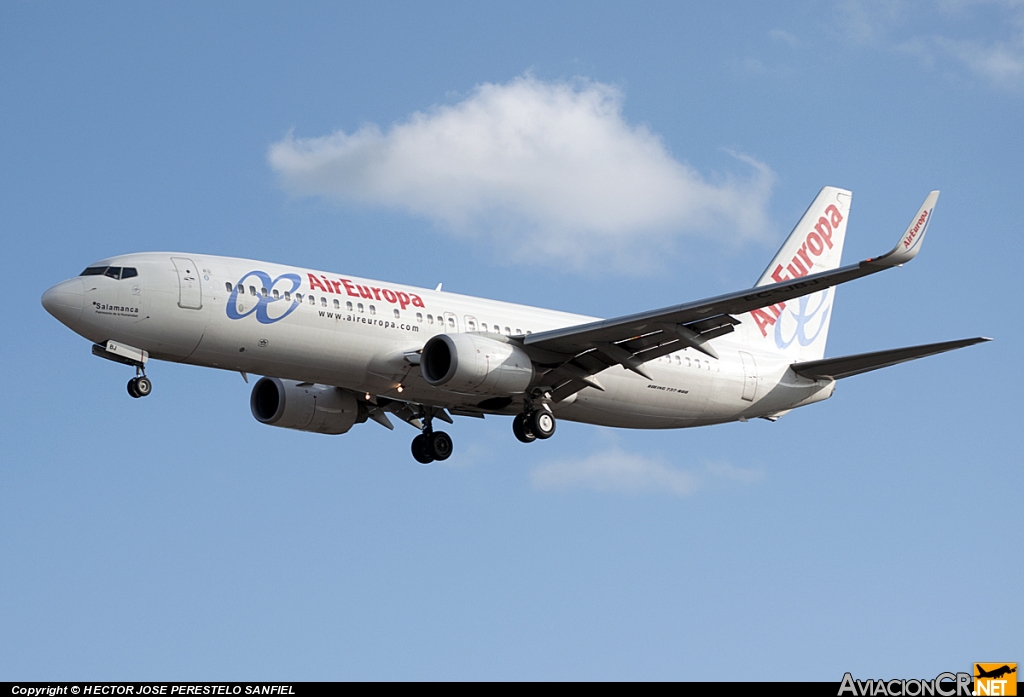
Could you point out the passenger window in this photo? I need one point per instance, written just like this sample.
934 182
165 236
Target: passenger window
348 306
430 319
528 332
95 271
277 295
451 322
471 325
519 331
687 361
337 304
323 302
360 307
398 314
263 292
678 360
128 272
298 297
287 295
419 316
508 332
312 300
227 286
241 289
373 309
113 272
252 290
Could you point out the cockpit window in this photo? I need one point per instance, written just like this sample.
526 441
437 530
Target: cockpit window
115 272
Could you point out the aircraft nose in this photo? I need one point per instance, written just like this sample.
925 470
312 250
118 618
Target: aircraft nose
65 301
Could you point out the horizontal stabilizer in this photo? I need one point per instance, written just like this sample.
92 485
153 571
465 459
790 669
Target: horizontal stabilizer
845 366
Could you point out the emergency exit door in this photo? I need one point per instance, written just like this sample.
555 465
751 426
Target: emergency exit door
451 322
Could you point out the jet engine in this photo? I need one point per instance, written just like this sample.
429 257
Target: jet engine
475 364
304 406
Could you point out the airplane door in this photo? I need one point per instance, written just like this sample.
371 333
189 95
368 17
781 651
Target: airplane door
190 291
451 322
749 376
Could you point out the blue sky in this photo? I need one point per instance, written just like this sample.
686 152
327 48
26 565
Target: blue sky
177 538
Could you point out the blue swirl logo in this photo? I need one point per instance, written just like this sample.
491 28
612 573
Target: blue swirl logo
263 303
803 318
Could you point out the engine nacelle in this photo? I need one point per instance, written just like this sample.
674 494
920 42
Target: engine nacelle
305 407
475 364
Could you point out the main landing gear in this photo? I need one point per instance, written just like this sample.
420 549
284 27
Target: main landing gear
140 386
534 424
431 445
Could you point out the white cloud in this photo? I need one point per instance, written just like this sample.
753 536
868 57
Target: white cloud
784 36
1001 63
725 470
991 39
989 34
550 171
868 21
614 470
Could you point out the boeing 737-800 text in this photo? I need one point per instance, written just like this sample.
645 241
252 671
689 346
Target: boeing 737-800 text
340 350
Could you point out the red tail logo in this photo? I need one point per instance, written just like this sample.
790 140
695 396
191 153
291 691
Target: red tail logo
817 241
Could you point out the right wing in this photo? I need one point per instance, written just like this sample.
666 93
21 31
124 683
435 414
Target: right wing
845 366
573 355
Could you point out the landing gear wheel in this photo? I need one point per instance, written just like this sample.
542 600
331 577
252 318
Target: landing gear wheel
522 430
143 386
133 388
542 423
440 445
421 449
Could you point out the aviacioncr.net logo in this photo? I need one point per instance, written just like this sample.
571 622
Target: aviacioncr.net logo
943 685
239 303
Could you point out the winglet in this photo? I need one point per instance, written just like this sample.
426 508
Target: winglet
910 244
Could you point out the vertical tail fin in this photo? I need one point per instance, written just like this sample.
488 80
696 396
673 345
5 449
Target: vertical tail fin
799 328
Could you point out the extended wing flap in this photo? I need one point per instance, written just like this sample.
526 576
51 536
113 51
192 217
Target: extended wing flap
845 366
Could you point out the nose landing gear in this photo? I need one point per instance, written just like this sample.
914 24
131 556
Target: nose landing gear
140 386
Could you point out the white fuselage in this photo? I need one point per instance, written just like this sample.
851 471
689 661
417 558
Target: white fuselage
354 333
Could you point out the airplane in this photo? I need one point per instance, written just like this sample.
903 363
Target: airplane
335 350
995 673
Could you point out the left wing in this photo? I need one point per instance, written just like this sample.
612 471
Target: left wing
573 355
